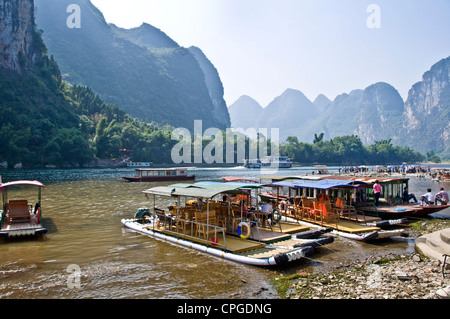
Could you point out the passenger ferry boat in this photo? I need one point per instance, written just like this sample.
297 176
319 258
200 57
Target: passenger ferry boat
252 163
277 161
139 164
19 217
266 161
204 221
159 175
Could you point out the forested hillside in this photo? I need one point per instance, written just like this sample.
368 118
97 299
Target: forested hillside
142 70
45 121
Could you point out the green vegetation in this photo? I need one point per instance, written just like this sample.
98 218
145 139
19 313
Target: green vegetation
142 70
46 121
347 150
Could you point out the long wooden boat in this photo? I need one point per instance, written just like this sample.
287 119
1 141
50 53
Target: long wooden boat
20 217
396 211
215 228
160 175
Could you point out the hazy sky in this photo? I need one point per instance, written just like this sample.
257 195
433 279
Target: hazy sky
263 47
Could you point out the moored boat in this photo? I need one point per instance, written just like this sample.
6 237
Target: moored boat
160 175
252 163
309 202
19 217
361 197
202 221
276 161
138 164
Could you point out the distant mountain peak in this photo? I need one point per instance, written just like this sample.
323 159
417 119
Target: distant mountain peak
147 35
246 99
244 112
321 101
293 92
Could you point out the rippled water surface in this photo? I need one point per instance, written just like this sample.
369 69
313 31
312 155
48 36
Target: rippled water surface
82 210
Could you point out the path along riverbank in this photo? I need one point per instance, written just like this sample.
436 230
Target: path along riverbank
411 276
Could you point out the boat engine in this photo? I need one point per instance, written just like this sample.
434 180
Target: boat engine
142 215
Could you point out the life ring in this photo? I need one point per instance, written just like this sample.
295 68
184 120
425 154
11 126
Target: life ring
243 234
279 216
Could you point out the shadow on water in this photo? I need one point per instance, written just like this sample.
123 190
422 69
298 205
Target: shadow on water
49 224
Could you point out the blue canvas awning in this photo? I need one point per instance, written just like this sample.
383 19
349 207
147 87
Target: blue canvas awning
318 184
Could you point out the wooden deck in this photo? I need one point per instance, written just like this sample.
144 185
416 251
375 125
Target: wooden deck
268 235
353 227
363 219
238 245
347 226
275 249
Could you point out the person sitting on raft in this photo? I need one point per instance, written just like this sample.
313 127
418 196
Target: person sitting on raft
407 197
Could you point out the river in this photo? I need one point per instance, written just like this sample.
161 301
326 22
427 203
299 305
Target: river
82 209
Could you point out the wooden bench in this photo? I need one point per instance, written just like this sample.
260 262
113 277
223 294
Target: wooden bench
18 211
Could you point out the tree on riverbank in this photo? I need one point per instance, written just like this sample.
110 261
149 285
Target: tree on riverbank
348 150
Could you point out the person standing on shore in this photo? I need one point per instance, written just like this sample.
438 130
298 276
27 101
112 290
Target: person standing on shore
377 193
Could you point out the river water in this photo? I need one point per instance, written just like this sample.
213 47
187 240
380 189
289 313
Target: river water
82 209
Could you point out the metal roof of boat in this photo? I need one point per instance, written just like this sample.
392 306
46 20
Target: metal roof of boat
281 178
20 183
237 184
367 179
206 191
237 178
206 184
318 184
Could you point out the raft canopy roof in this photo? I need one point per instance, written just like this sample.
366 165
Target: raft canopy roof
238 178
204 190
318 184
21 183
365 180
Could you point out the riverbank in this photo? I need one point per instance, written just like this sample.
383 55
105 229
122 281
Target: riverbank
405 276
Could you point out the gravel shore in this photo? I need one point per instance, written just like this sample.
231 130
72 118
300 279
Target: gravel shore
392 277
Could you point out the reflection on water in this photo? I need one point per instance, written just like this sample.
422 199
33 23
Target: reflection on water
82 210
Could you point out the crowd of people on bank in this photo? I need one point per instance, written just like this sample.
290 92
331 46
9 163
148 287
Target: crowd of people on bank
400 169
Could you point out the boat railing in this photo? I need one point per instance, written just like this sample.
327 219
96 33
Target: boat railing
195 230
349 212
